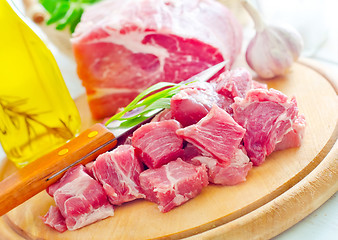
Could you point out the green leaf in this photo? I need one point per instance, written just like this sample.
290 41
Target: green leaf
142 100
75 18
59 12
167 93
150 90
49 5
141 114
72 20
65 13
133 122
160 103
147 101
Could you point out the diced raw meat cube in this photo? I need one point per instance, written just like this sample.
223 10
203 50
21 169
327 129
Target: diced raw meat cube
199 85
234 83
54 219
123 47
256 85
173 184
118 171
217 133
80 198
267 115
294 137
226 174
190 151
125 139
89 169
194 101
162 116
220 173
156 143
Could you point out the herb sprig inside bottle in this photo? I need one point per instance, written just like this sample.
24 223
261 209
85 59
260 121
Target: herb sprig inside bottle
146 102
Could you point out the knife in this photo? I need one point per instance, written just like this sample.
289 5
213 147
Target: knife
86 147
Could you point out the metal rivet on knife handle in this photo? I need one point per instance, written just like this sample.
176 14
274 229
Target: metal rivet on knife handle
63 151
92 134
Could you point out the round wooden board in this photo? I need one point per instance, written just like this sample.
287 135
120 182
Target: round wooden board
286 188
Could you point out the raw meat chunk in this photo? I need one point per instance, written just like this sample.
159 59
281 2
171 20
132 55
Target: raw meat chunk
118 171
217 133
234 83
89 169
194 101
256 84
164 115
54 219
156 143
267 115
295 136
226 174
190 151
123 47
80 198
220 173
173 184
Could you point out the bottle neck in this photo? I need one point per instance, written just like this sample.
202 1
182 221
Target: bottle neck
9 11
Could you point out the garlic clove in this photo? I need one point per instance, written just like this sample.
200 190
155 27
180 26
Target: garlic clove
273 49
292 38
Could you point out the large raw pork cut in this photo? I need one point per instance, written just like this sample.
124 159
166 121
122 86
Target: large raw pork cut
118 171
267 116
80 199
173 184
122 47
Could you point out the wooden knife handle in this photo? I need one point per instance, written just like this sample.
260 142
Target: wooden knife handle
38 175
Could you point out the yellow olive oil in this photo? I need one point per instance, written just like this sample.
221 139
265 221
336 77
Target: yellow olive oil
37 113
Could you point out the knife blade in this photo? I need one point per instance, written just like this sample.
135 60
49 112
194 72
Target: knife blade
86 147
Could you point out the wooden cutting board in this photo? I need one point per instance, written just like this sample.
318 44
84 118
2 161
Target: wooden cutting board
286 188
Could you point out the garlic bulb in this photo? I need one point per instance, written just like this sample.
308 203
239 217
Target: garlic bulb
273 49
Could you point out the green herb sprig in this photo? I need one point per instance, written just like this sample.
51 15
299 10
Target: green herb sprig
18 116
65 12
147 101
